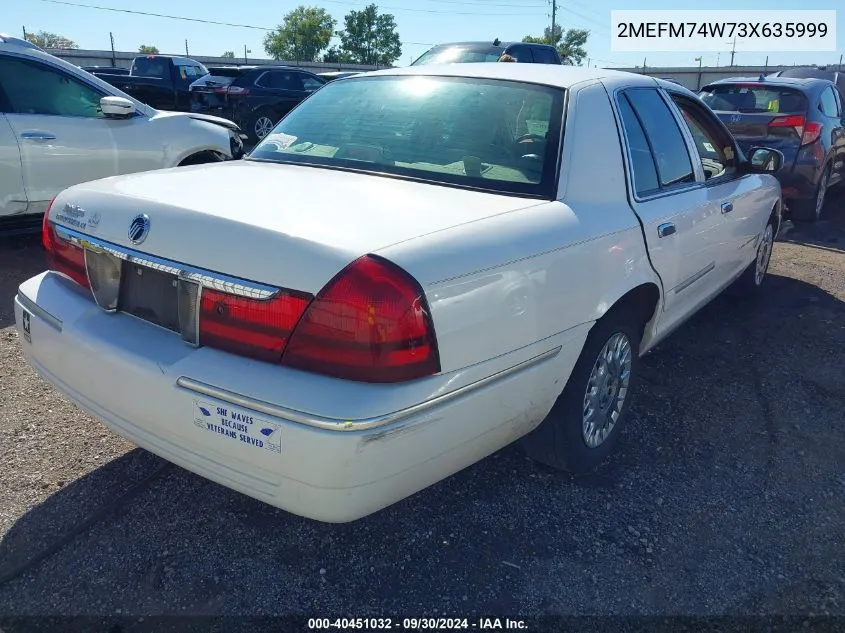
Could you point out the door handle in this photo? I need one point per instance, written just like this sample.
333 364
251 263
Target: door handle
727 207
665 230
38 136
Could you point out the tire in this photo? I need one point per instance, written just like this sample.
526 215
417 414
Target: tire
811 210
754 276
561 440
260 125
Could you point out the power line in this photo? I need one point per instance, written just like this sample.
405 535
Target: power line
262 28
435 11
492 4
157 15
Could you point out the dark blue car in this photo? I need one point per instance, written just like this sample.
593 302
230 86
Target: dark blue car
803 118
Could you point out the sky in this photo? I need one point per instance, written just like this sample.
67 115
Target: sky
421 23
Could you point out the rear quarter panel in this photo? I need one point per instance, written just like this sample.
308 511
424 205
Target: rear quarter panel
517 279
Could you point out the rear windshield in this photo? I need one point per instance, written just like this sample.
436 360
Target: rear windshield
496 135
465 53
151 67
754 98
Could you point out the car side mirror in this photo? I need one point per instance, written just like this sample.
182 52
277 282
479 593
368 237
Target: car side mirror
117 107
764 160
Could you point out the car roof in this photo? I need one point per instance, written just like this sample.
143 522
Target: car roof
489 43
547 74
7 41
809 83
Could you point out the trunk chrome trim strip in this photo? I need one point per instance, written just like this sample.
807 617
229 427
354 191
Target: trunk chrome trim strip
338 424
207 278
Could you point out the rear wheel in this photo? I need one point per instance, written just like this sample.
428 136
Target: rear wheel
753 277
583 427
262 124
811 210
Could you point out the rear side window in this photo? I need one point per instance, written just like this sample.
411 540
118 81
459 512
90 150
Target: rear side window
827 103
281 80
667 143
748 98
642 162
543 55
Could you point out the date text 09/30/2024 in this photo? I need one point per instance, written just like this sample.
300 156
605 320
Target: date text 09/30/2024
417 624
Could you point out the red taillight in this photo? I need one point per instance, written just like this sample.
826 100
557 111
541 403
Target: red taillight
370 323
808 131
250 327
63 256
238 90
812 131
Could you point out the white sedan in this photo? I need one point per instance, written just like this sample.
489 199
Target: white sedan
416 268
60 126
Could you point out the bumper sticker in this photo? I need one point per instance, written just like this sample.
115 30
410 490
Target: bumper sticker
238 425
27 326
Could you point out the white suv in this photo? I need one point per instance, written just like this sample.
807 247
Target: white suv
60 126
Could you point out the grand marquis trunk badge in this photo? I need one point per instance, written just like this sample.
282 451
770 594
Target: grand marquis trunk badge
139 228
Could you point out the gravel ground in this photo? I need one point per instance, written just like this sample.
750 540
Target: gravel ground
726 498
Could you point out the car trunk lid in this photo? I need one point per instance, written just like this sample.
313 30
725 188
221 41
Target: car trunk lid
286 226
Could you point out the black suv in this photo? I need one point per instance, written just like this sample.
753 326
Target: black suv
467 52
254 97
802 118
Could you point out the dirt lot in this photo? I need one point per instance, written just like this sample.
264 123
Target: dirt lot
727 498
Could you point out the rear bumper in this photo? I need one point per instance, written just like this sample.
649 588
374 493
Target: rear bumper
271 432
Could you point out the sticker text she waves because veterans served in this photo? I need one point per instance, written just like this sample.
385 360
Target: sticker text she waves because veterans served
238 425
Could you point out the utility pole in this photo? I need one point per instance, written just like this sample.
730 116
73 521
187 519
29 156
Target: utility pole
698 82
554 15
840 61
24 36
113 57
187 54
733 50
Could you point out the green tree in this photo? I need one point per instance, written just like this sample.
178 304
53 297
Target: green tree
570 43
45 39
370 38
302 35
145 49
336 55
229 55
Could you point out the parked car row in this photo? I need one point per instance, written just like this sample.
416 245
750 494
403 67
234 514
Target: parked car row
255 97
463 256
802 118
60 125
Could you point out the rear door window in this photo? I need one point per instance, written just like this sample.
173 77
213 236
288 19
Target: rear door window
674 166
828 105
753 98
